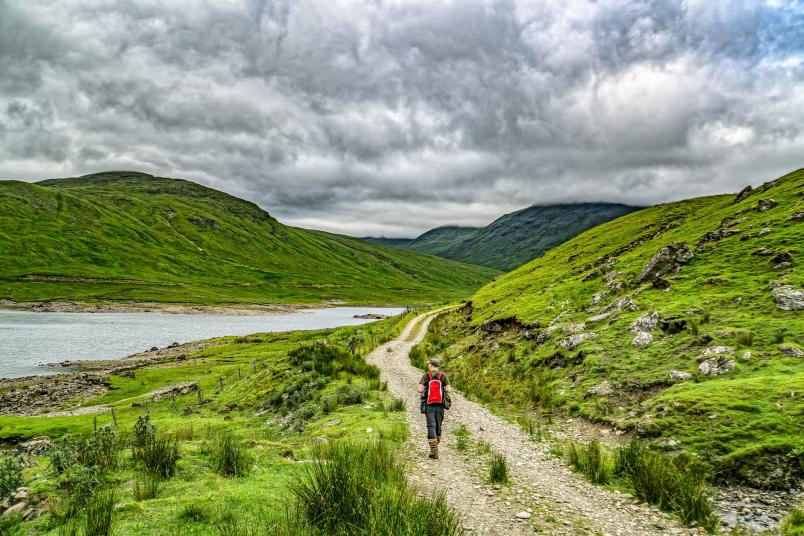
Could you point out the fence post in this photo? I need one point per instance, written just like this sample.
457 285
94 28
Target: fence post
254 367
114 417
95 422
200 397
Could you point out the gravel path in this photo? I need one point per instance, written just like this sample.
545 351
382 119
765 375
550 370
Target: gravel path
559 501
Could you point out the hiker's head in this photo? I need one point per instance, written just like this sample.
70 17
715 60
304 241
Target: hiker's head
432 364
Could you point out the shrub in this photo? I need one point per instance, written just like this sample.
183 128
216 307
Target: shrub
329 404
462 444
307 411
352 394
99 520
63 455
498 469
144 431
229 456
101 449
81 483
10 475
331 361
159 455
590 460
146 487
193 512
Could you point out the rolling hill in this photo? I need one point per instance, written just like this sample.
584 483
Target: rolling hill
682 323
514 238
132 237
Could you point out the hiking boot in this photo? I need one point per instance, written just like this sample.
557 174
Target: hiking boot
433 448
433 456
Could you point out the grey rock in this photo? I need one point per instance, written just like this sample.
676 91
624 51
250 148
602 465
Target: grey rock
788 298
764 231
542 337
797 216
624 303
679 375
715 366
743 195
719 350
600 317
646 322
766 204
791 351
15 509
523 515
763 252
574 341
598 296
746 356
642 339
665 261
604 388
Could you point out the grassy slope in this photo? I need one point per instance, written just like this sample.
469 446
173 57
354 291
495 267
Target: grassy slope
126 236
243 408
746 423
514 238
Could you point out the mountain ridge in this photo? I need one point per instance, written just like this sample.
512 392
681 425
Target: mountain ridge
186 243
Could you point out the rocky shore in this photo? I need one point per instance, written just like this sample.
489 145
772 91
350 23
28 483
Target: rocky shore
53 395
150 307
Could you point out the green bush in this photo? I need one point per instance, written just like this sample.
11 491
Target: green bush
352 394
590 460
101 449
498 469
331 361
144 431
307 411
81 484
63 455
10 475
229 456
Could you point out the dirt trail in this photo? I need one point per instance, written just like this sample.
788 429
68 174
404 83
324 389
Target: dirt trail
560 502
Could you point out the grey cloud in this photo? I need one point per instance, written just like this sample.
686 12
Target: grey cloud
391 118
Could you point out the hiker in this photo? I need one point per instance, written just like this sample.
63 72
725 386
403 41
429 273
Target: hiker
434 389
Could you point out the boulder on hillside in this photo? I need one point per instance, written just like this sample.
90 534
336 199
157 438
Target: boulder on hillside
766 204
797 216
604 389
646 322
743 195
788 298
642 339
598 296
719 350
715 236
715 366
624 303
574 341
780 258
665 261
791 351
679 375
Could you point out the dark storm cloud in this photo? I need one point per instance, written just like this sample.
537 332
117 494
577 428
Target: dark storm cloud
393 117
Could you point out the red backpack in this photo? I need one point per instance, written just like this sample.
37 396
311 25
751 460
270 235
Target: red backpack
435 389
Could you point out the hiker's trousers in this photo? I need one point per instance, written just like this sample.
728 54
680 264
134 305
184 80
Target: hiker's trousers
434 414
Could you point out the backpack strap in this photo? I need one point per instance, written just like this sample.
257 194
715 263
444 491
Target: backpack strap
440 375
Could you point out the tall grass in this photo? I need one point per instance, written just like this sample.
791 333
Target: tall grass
674 484
146 487
99 520
361 489
159 455
498 469
590 460
229 456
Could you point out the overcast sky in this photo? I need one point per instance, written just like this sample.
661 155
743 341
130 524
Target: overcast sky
391 117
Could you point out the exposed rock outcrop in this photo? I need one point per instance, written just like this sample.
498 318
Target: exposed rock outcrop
788 298
715 366
743 195
667 260
791 351
680 375
645 322
642 339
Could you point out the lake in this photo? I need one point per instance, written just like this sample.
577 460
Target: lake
28 339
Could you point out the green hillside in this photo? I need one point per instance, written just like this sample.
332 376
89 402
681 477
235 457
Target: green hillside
132 237
514 238
681 322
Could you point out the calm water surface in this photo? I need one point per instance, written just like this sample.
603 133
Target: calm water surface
28 339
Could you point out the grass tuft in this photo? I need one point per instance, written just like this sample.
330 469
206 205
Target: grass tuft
229 456
498 469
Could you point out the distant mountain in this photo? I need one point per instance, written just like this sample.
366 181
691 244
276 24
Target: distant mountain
132 237
514 238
